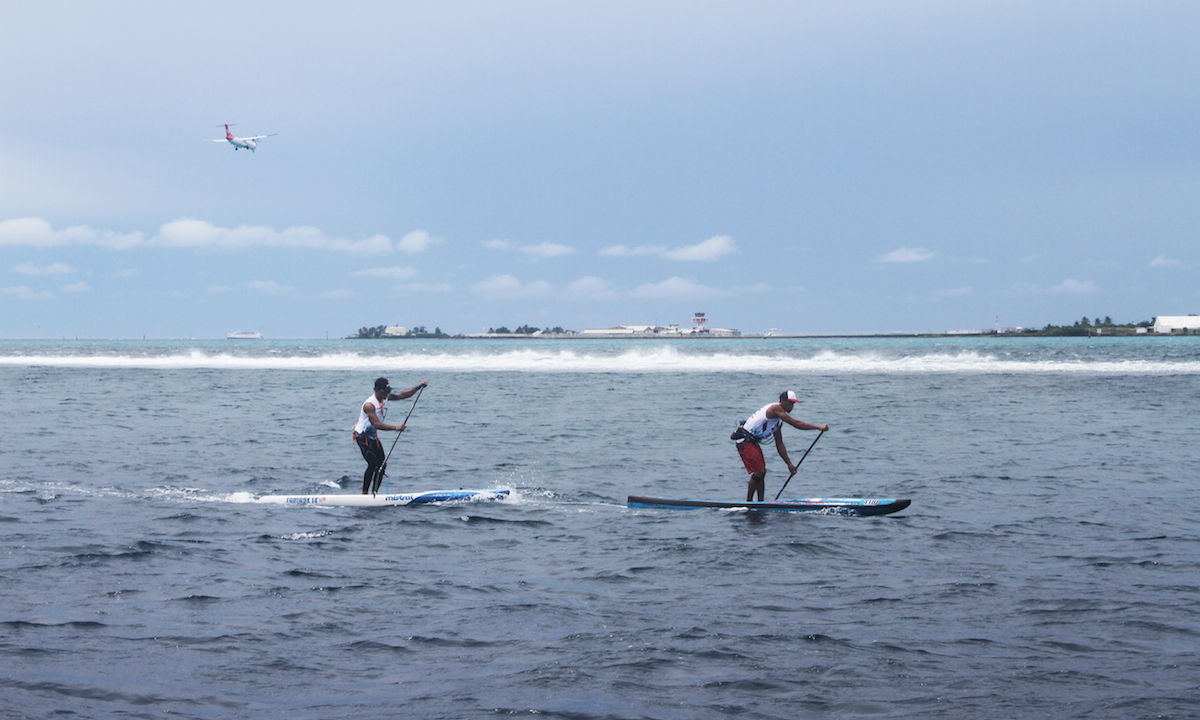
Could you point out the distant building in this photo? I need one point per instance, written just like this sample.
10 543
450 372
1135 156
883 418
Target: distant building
633 331
658 331
395 331
1176 323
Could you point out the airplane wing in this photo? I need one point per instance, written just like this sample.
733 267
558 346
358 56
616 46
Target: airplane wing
221 140
259 137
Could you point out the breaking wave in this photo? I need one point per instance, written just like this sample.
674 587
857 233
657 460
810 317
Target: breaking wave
766 358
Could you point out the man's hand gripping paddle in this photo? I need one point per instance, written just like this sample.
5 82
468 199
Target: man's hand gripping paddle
806 452
393 447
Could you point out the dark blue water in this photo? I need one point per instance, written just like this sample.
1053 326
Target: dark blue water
1048 567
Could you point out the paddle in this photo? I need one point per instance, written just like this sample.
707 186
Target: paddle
393 447
785 482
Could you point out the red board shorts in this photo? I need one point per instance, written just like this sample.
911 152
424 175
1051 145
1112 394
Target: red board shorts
752 457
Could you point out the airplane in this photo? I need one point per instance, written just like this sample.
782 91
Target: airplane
241 143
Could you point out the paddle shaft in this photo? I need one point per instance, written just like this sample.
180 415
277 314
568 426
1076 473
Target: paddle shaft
393 447
806 452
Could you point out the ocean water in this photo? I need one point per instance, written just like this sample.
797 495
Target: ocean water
1049 565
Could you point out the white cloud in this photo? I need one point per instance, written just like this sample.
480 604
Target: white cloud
710 249
1066 287
591 288
417 241
906 255
1074 287
425 287
189 233
79 287
36 232
623 251
268 287
393 273
1164 261
546 249
507 287
55 269
22 292
675 288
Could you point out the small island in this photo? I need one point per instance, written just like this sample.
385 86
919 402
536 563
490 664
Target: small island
1084 327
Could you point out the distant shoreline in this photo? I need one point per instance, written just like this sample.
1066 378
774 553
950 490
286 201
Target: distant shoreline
1107 333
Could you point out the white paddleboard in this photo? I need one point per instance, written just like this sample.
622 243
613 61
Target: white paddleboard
382 499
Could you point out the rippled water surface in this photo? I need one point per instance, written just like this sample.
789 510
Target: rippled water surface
1049 565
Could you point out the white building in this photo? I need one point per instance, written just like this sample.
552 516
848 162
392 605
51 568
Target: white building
395 331
1176 323
633 331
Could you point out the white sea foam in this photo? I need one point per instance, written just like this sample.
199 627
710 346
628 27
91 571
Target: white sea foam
636 360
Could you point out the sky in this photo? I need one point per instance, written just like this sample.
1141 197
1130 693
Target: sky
804 167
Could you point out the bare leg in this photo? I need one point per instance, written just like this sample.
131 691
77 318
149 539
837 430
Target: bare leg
757 484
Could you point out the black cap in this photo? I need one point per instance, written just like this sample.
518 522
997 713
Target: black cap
382 384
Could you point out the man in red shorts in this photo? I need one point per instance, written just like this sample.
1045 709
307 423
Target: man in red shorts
764 425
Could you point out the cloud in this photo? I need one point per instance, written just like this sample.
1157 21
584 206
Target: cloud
268 287
393 273
546 249
1066 287
710 249
964 291
417 241
591 288
1164 261
22 292
623 251
507 287
676 288
55 269
425 287
337 295
906 255
36 232
190 233
79 287
1074 287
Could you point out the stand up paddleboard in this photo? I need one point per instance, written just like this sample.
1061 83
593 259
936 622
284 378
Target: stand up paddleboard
382 499
828 506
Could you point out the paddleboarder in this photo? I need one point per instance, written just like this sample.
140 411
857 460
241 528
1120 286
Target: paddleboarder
370 420
764 425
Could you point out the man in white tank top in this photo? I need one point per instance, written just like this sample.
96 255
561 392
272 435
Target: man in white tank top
767 424
370 420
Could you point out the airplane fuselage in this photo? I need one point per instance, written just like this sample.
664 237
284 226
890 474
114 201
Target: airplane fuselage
246 143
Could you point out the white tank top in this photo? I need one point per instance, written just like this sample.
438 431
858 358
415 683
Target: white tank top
760 427
364 421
